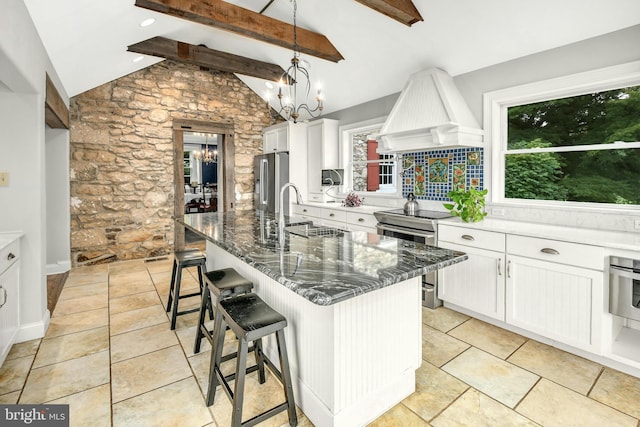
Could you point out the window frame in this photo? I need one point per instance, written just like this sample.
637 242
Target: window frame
496 103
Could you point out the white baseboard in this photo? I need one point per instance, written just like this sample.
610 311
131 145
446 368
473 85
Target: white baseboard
59 267
32 331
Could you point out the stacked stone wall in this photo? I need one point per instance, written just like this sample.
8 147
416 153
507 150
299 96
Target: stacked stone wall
121 148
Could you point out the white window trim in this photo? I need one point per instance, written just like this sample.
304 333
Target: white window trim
495 106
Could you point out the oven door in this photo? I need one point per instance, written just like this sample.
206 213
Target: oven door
429 280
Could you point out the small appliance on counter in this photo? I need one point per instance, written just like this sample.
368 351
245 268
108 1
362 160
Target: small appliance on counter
271 172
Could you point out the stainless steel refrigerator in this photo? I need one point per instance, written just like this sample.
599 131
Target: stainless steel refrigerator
271 172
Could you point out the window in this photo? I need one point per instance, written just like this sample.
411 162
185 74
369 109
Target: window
575 144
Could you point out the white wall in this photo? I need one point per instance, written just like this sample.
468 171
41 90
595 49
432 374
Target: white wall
23 63
57 195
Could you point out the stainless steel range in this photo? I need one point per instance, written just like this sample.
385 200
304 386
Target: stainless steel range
421 227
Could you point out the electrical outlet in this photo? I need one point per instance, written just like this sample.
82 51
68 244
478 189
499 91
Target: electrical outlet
636 224
497 211
4 179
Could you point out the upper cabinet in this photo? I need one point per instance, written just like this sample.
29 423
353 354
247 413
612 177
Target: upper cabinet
322 153
279 137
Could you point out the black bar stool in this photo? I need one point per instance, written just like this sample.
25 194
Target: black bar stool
223 283
184 259
250 319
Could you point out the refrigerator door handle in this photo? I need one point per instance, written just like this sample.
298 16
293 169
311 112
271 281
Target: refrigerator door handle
264 181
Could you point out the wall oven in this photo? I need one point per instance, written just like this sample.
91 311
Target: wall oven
624 287
422 228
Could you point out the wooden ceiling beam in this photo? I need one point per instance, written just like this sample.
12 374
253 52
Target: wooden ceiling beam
229 17
208 58
56 113
403 11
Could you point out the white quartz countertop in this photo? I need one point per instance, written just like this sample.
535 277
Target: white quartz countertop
586 236
8 237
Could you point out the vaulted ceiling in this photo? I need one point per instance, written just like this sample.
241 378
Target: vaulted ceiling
87 40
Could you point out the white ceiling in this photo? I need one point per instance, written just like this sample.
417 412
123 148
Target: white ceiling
87 40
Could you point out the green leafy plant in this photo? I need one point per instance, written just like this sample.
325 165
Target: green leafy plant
468 205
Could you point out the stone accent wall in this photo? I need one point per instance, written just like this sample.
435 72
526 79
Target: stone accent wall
122 193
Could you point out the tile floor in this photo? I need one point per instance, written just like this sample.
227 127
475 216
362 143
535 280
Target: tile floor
109 353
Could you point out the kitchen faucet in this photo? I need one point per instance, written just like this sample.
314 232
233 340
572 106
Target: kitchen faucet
281 218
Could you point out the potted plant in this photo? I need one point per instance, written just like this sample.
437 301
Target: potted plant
468 205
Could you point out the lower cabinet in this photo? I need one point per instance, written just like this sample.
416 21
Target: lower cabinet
338 218
9 308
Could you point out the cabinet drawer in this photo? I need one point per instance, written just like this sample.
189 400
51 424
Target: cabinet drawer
481 239
9 255
586 256
334 215
358 218
304 210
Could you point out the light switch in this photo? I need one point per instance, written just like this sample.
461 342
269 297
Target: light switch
4 179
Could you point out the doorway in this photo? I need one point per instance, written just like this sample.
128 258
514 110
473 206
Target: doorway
203 161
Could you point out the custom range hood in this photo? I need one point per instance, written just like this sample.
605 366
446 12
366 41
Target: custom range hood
429 114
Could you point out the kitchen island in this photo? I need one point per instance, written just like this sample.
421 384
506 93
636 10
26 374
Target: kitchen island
352 301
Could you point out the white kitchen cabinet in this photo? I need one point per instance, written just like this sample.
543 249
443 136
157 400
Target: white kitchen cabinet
322 153
358 221
478 283
282 136
336 217
9 296
549 297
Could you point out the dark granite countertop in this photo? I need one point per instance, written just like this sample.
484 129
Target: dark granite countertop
324 270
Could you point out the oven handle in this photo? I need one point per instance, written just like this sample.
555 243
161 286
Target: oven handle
624 272
385 227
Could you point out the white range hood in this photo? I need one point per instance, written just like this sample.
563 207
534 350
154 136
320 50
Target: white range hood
429 114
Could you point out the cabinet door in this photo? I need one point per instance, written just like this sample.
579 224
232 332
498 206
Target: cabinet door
9 312
275 140
477 283
557 301
315 158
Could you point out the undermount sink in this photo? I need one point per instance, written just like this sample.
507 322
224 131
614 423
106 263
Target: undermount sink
311 230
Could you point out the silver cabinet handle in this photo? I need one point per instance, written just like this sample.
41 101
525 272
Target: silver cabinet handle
509 269
499 266
4 299
360 219
467 237
549 251
332 214
10 256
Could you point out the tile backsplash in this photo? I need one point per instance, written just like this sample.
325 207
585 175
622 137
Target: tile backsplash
436 172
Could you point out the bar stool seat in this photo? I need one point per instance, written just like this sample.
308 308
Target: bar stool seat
222 283
181 260
250 319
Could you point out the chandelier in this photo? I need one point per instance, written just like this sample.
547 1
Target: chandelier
206 155
290 108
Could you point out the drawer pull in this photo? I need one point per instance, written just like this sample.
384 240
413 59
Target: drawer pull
467 237
549 251
332 214
304 210
499 266
360 219
4 299
509 269
10 256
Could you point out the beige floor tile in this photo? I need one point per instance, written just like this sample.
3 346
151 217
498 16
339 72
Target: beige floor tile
618 390
13 374
435 390
126 267
439 348
130 288
561 367
72 346
492 376
159 265
497 341
90 269
22 349
91 408
129 277
86 277
399 415
200 366
9 398
100 288
141 341
65 378
187 337
442 318
144 373
162 281
77 322
133 302
177 404
77 305
474 409
552 405
187 320
137 319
